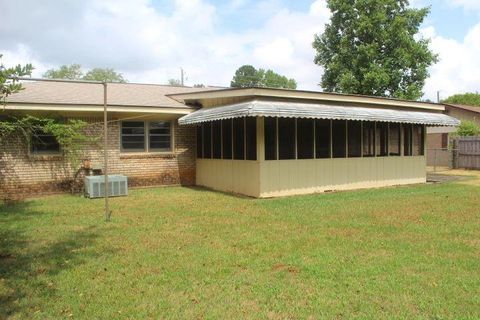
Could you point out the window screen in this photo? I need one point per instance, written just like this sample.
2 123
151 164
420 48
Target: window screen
369 139
44 143
270 138
207 140
354 139
382 139
394 139
199 141
227 138
159 136
339 138
286 138
251 138
444 140
305 138
322 138
133 136
239 138
407 139
418 140
216 140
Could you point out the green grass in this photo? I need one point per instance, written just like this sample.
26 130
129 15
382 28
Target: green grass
178 253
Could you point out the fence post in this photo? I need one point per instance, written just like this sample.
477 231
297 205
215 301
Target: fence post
454 154
435 160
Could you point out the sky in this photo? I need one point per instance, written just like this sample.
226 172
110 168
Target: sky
149 41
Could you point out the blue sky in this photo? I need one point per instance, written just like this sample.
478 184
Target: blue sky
149 40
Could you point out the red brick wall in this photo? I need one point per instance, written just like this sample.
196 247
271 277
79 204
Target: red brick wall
23 174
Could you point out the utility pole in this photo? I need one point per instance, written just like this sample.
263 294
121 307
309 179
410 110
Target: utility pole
438 96
182 73
105 150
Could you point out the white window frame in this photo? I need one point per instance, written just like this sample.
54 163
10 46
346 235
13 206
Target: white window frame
147 149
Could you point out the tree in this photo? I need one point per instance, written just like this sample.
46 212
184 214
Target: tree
468 128
174 82
248 76
104 74
69 72
8 82
74 72
469 99
274 80
370 47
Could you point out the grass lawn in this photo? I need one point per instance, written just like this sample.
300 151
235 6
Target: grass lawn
406 252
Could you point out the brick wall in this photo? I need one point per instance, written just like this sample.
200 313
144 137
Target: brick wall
23 174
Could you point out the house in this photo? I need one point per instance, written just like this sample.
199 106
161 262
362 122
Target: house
438 138
260 142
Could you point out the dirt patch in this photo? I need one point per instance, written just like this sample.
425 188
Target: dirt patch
442 177
284 267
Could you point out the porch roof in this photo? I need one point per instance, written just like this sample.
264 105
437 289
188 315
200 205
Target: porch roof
259 108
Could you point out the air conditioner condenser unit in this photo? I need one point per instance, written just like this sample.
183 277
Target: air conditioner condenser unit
95 186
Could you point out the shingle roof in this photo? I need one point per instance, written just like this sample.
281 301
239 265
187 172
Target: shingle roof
120 94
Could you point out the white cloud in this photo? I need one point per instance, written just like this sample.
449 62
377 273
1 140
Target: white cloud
150 45
467 4
457 70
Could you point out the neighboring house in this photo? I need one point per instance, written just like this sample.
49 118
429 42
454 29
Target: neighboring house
259 142
438 138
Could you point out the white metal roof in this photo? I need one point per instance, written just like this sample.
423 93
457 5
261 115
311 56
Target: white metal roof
258 108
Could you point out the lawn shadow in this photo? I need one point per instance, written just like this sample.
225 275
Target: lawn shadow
25 273
201 189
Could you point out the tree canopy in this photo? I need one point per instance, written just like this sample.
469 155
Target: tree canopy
468 128
8 83
371 47
104 74
74 72
249 76
69 72
469 99
174 82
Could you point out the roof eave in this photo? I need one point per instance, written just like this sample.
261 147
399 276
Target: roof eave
96 108
302 95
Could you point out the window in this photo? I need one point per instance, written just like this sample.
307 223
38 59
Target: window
305 138
381 139
239 138
354 139
227 138
44 143
322 138
444 140
369 139
286 138
339 138
270 138
199 141
251 138
207 140
394 139
159 136
141 136
133 136
217 140
418 140
407 140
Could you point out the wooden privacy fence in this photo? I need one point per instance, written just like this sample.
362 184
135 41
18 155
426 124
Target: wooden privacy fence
467 152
